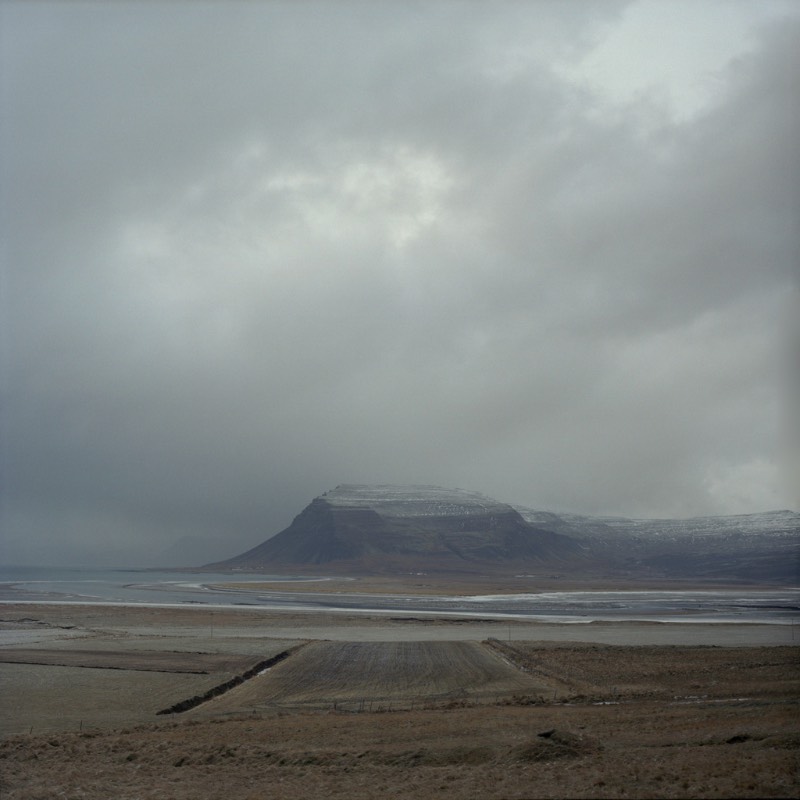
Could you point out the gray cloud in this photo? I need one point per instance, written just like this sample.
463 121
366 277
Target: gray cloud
256 250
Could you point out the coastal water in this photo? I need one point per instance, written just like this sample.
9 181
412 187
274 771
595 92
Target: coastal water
772 606
77 584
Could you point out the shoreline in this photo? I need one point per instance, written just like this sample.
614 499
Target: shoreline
510 602
504 617
208 626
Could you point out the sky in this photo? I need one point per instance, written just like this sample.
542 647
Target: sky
546 251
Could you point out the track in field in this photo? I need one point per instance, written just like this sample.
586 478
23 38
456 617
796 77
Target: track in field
348 673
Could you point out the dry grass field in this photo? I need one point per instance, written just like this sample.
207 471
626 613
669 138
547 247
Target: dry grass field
641 750
55 689
593 672
412 718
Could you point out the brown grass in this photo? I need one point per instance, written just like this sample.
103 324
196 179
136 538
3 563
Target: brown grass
644 750
367 719
380 675
140 660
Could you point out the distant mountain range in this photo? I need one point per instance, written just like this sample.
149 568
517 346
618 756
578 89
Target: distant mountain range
753 547
427 529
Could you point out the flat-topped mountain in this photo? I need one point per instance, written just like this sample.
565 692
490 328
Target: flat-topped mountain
407 527
426 528
414 501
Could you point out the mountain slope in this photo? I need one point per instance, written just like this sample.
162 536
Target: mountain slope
754 547
407 527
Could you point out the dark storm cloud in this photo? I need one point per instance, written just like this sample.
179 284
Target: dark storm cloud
256 250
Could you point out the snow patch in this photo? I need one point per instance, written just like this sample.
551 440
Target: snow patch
413 501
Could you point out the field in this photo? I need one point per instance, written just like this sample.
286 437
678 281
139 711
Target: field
405 709
379 676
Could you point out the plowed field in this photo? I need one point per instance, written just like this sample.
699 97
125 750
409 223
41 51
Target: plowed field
375 674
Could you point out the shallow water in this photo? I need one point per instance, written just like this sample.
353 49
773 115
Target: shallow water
120 585
771 606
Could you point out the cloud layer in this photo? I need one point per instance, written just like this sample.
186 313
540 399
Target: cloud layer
257 250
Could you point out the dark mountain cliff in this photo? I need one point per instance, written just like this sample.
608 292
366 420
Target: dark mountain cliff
412 527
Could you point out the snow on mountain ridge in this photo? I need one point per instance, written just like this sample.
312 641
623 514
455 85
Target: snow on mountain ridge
765 522
413 501
422 500
421 527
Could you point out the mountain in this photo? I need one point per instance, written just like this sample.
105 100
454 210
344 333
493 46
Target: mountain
427 529
753 547
389 528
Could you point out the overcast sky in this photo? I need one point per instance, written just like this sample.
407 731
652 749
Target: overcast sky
547 251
